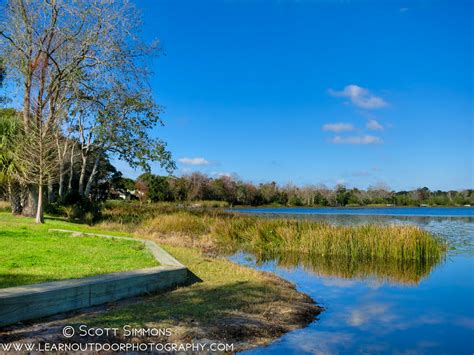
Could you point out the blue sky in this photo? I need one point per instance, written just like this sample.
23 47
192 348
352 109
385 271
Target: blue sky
308 92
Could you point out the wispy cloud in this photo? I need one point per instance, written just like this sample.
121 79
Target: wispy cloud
231 175
224 174
374 125
379 313
338 127
366 139
194 161
403 9
360 97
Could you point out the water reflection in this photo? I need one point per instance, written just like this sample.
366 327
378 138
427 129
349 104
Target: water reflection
394 271
366 314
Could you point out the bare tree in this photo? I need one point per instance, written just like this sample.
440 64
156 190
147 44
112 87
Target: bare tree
142 190
198 186
37 161
59 48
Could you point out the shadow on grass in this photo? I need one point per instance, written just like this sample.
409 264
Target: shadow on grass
21 279
65 219
17 279
192 278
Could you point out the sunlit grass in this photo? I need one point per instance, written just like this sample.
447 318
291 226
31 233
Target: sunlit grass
385 242
394 253
30 254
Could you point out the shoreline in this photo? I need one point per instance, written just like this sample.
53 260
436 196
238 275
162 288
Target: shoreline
273 308
236 207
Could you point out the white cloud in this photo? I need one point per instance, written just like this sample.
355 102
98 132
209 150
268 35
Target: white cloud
233 176
374 125
336 282
194 161
338 127
229 175
367 139
360 97
371 313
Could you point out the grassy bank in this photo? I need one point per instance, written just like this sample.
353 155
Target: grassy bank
29 254
230 303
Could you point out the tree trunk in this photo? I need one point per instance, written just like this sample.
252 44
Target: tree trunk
51 192
14 190
92 176
61 163
71 170
82 177
39 210
30 201
61 183
29 192
26 102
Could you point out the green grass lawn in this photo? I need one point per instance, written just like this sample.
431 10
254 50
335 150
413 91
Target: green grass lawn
8 220
30 254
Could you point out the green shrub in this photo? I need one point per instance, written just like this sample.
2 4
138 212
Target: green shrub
55 209
89 218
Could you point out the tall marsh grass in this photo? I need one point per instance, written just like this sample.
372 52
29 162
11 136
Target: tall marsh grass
230 232
394 253
372 241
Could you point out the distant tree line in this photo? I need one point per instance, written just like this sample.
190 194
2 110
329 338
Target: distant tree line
198 187
110 184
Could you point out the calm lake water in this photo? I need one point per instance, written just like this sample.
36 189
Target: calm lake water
382 308
384 211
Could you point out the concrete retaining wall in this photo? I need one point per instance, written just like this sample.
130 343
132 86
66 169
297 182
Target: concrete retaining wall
49 298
